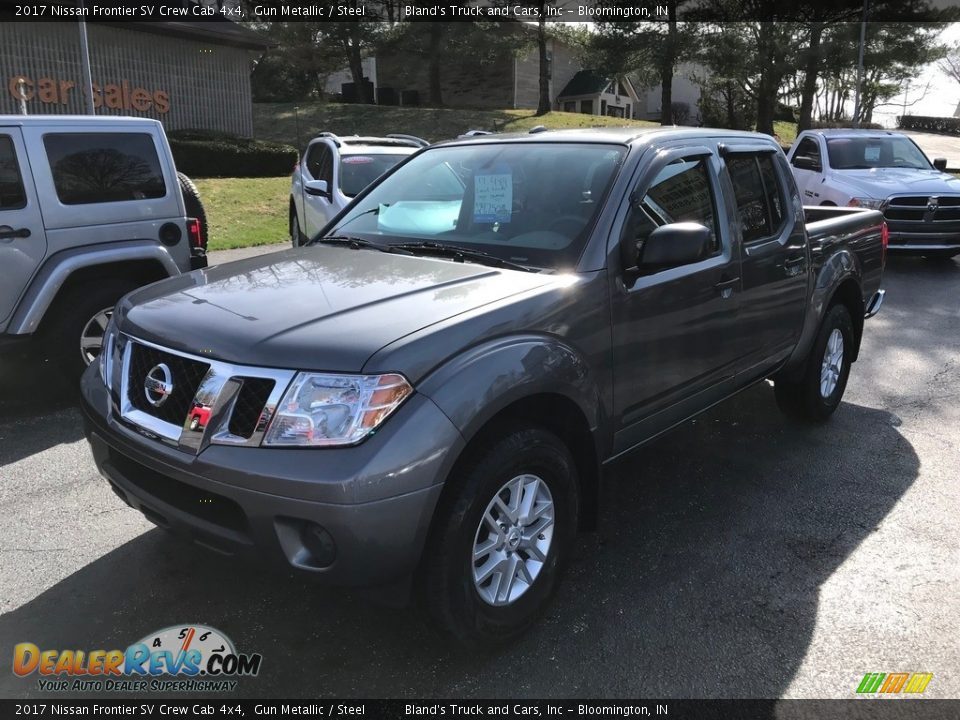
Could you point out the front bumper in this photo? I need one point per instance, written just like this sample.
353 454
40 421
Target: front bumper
350 516
921 242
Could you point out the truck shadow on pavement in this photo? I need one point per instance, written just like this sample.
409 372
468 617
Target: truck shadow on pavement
38 406
703 581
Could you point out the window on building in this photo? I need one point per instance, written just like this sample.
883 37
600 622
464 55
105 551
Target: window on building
681 192
570 106
104 167
586 107
12 195
759 195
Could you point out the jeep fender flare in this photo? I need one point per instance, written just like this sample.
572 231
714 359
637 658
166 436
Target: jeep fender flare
54 273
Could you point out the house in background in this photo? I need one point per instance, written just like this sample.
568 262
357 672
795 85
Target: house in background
508 80
591 93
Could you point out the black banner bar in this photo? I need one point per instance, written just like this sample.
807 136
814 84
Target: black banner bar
253 11
872 708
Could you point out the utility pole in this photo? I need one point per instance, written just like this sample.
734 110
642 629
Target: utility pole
863 42
85 61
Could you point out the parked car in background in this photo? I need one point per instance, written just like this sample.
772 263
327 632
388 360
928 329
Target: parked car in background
444 399
90 208
885 171
333 170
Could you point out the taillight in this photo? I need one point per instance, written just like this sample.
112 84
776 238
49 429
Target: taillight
194 232
884 241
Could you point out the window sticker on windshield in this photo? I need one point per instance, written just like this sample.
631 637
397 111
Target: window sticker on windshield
492 197
356 160
871 153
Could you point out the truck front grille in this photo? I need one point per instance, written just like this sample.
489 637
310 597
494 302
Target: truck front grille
209 401
186 376
920 213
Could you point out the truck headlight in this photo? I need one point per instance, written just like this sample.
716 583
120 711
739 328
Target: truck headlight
866 202
320 410
105 359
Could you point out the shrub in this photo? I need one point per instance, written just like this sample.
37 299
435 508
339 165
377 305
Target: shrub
208 153
948 125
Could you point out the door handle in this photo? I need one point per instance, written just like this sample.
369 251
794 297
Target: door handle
726 287
793 266
8 233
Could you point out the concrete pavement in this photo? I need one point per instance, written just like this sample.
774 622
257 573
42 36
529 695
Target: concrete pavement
739 556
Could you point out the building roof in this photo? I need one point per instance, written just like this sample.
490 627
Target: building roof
585 82
221 31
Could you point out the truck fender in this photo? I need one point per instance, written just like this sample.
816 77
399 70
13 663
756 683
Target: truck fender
57 269
841 267
525 372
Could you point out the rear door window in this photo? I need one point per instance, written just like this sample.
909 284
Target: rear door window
104 167
12 194
758 193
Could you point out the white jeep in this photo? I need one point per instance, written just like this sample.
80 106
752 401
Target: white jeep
90 209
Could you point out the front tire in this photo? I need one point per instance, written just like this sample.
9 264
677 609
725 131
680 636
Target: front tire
502 536
297 238
73 337
817 394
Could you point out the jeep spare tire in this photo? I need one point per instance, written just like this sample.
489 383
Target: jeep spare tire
192 203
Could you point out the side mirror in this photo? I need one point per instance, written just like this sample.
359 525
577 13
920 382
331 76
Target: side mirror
940 164
317 187
675 244
805 162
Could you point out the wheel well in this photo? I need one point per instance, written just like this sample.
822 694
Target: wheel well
566 420
848 294
141 272
293 210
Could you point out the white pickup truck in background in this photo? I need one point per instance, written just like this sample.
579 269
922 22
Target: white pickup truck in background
886 171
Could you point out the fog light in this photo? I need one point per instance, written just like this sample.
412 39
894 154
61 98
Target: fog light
319 543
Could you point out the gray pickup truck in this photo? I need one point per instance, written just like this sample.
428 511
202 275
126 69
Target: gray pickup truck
432 388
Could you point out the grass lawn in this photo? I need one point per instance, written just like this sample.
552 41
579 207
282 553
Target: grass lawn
277 121
242 212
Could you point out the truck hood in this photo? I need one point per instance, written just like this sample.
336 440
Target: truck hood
312 308
883 182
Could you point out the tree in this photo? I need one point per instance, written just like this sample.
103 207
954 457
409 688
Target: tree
649 50
950 65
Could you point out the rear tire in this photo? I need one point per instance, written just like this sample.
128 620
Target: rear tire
817 394
297 238
482 586
193 203
74 324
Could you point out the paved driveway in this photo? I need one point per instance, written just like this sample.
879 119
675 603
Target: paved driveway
936 146
740 555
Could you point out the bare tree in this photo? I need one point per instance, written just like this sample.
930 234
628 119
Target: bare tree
950 65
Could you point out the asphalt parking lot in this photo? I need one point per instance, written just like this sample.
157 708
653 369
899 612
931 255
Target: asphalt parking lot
740 556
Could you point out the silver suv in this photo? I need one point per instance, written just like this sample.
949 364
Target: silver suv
90 209
333 170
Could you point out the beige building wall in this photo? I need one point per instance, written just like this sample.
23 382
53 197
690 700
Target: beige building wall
206 86
564 66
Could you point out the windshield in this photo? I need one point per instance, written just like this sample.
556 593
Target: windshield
527 203
864 153
358 171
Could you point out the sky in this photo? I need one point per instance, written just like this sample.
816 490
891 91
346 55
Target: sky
940 100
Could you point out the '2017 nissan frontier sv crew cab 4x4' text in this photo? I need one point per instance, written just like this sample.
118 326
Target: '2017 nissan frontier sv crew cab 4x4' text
432 387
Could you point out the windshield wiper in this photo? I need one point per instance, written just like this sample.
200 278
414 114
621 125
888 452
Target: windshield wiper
356 243
460 254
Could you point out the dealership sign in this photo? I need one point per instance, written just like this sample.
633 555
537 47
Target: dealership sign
116 96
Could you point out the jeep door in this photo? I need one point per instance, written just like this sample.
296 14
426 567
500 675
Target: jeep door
23 242
674 328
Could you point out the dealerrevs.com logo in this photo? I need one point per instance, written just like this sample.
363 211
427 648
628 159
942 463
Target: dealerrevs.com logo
188 658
